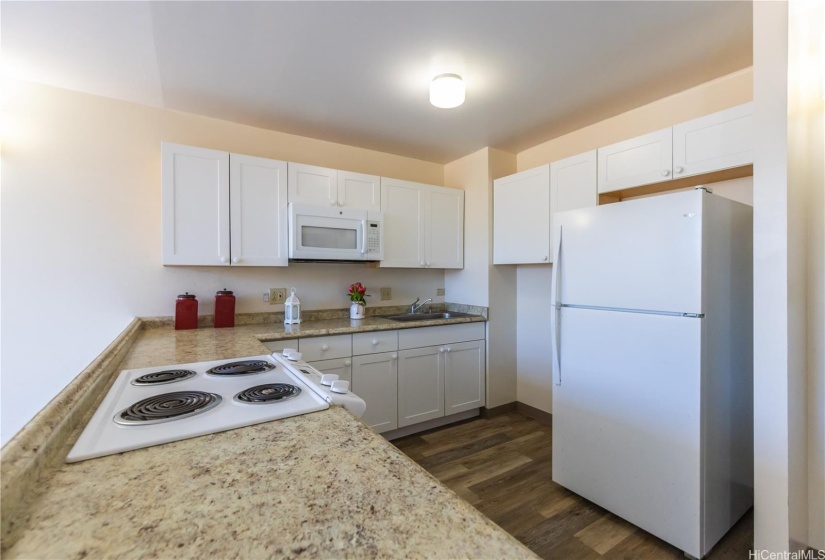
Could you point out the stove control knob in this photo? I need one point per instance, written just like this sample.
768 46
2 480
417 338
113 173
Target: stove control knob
340 386
328 379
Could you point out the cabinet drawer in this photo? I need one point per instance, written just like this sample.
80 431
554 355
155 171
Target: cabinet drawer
442 334
326 347
279 345
373 342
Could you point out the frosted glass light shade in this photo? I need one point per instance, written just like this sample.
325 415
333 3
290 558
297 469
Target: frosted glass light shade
447 91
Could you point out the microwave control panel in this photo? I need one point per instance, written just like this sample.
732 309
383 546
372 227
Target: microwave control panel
373 237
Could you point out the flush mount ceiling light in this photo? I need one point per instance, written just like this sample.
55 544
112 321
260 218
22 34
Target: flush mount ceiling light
447 91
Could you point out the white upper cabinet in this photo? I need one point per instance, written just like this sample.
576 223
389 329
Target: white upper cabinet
444 232
521 217
710 143
257 197
195 205
357 190
524 204
638 161
199 188
573 185
713 142
423 225
320 185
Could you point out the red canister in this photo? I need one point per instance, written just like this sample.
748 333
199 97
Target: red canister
224 309
186 312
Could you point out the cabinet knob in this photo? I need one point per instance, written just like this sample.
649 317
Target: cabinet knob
236 260
545 257
428 264
333 203
374 341
442 349
394 356
422 263
224 260
325 347
347 363
665 172
679 169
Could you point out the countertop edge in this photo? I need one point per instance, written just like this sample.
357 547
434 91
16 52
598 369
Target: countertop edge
38 445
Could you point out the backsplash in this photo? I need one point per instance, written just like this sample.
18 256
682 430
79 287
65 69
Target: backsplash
206 321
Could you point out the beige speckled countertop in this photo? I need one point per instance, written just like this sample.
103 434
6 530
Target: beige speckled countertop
322 485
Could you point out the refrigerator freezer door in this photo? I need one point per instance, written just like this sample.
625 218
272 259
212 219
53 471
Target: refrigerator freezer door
641 254
626 418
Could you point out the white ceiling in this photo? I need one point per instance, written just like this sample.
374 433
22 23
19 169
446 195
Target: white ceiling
358 72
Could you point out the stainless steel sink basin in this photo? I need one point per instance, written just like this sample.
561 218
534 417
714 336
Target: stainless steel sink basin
427 316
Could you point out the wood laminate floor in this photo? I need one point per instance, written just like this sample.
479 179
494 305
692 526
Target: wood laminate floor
501 465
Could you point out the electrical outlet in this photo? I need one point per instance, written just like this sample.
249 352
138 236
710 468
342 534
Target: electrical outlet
439 291
386 293
266 297
277 295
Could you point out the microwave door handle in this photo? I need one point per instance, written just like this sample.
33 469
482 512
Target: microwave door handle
363 236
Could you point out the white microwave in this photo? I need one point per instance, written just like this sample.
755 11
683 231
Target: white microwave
323 233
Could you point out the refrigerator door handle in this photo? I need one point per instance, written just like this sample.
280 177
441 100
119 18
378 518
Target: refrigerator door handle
555 323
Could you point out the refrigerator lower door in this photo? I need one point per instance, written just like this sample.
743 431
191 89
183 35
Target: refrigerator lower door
626 418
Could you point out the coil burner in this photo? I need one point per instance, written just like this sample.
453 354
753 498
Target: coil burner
267 394
162 377
167 407
245 367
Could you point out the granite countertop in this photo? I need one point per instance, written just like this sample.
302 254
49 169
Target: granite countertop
321 485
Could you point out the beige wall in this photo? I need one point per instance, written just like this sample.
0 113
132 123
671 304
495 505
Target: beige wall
789 319
724 92
480 283
81 232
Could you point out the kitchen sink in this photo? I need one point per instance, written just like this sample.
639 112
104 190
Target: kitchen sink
427 316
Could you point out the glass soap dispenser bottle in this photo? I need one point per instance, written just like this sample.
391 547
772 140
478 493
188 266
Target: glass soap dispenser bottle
292 309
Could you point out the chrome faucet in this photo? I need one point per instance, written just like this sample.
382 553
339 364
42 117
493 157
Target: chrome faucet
414 308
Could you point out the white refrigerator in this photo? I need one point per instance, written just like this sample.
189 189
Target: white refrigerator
652 346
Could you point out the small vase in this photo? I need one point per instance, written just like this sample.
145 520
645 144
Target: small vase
357 310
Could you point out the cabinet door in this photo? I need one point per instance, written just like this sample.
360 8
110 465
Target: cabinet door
342 367
402 204
464 376
312 184
356 190
375 379
573 184
638 161
195 184
713 142
257 196
521 217
420 385
444 228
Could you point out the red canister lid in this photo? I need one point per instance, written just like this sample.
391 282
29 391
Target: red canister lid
224 292
187 295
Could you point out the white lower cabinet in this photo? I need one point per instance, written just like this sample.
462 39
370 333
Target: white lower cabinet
421 382
464 376
406 376
375 379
